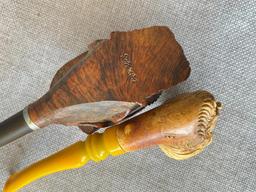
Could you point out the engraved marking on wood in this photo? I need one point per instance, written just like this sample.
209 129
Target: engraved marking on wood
128 64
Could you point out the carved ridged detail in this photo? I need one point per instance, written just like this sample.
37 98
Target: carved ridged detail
207 115
202 106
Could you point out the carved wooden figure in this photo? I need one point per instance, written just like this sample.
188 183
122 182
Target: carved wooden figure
114 79
181 127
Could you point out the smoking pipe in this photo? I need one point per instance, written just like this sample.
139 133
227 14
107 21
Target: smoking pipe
113 80
181 127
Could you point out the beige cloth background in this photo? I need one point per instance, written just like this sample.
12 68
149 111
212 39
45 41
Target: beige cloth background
218 37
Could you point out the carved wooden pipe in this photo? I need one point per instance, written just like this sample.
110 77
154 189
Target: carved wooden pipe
182 128
102 87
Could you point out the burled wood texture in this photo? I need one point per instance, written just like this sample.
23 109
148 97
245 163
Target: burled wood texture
182 127
130 66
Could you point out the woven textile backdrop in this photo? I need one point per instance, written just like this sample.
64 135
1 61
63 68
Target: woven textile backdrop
219 40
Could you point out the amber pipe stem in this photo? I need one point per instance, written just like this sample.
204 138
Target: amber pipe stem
96 147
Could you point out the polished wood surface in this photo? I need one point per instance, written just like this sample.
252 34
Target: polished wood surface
133 67
182 127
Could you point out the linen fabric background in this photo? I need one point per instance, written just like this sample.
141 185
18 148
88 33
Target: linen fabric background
219 40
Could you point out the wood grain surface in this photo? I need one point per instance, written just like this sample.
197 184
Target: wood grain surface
130 67
182 127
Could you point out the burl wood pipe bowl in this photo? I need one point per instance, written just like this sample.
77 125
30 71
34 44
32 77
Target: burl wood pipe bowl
114 79
181 127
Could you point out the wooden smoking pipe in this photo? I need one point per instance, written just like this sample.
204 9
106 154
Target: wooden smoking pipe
182 128
114 79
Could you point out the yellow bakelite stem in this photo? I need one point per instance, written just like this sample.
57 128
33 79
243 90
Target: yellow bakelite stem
96 147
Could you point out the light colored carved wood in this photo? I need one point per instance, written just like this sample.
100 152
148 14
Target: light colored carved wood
182 127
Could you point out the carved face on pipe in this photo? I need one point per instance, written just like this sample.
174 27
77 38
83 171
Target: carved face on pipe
183 129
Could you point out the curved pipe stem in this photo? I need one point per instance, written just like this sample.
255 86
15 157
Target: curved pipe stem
96 147
55 163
